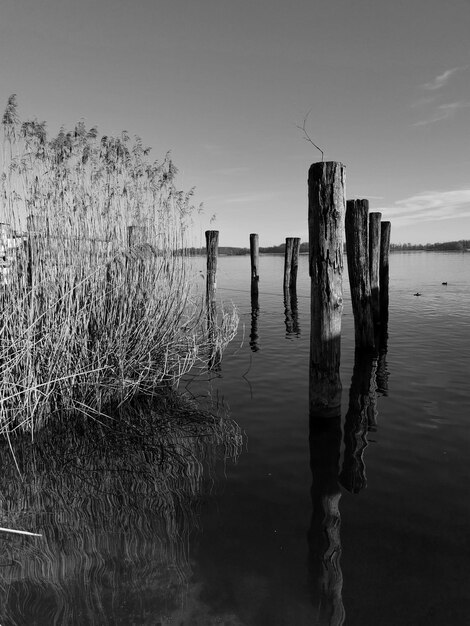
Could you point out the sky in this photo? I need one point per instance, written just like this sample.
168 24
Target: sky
225 84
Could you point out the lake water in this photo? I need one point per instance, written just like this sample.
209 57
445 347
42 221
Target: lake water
264 532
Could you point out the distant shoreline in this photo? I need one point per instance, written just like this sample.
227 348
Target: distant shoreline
449 246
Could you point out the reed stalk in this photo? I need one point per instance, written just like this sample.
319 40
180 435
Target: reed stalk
88 320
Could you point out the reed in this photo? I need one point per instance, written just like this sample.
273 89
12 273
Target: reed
87 319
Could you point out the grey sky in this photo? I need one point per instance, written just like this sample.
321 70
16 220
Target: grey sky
222 84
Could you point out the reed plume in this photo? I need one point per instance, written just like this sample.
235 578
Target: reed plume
97 298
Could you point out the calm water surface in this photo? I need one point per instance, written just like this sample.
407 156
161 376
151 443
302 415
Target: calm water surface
239 536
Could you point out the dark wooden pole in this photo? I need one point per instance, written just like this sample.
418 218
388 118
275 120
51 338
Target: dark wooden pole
254 256
374 262
294 263
291 312
384 270
131 235
357 216
326 208
382 373
212 247
288 262
254 336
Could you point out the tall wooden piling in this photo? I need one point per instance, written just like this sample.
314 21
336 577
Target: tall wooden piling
374 262
357 250
385 229
294 263
326 209
131 235
291 312
254 336
212 247
288 262
254 256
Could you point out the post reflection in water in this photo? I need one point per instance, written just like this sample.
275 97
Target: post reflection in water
324 534
360 418
291 312
254 344
114 505
325 442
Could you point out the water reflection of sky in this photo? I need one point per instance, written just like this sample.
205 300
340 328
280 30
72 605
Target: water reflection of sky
136 541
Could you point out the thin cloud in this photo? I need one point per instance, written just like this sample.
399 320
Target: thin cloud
430 206
443 112
442 79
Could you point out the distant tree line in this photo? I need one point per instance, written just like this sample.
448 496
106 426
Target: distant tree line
447 246
230 250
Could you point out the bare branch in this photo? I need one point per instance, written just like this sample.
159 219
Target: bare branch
307 136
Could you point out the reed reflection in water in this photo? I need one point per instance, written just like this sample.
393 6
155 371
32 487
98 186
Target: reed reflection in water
114 503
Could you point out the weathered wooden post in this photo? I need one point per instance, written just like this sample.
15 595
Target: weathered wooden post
356 225
324 540
384 270
382 373
326 208
131 235
374 262
291 312
294 263
254 336
37 228
288 262
5 253
212 247
254 256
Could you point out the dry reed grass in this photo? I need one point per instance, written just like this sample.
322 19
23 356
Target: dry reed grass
94 312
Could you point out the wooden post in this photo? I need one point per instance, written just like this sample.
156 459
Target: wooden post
294 263
374 263
130 236
384 271
357 214
212 246
326 208
291 312
288 262
254 345
382 373
254 256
